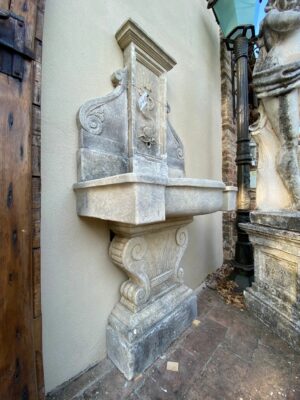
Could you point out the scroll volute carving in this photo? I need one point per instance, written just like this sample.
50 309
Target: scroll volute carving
149 264
129 254
103 124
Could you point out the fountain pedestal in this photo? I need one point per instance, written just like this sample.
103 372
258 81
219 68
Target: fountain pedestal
275 296
155 305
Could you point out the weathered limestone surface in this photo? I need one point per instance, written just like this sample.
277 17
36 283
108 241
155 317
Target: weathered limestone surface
288 221
147 199
271 192
274 231
276 79
103 137
131 173
127 198
155 306
175 152
275 295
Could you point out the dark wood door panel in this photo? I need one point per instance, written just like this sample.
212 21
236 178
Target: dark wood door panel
21 367
16 356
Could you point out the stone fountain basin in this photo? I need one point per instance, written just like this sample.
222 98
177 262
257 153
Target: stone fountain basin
135 199
189 197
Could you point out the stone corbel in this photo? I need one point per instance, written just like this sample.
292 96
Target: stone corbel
130 255
150 256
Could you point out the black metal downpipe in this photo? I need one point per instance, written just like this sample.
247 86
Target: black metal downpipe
243 262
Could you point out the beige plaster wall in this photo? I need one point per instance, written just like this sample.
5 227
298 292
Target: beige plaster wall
79 282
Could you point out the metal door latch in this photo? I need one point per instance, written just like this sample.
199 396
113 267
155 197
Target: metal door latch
12 44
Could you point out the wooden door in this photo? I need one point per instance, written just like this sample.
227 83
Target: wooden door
21 367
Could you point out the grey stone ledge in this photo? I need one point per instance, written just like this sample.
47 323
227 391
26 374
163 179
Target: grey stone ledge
270 232
285 220
196 182
119 179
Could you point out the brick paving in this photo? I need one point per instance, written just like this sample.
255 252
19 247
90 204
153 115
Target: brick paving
229 355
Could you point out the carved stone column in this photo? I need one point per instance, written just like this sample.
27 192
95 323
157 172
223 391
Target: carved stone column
155 306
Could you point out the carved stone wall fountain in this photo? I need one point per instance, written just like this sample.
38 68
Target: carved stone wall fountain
131 173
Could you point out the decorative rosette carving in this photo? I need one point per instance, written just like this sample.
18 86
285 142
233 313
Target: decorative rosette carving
94 119
181 237
180 153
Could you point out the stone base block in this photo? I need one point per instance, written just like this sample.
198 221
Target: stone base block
275 296
270 314
135 340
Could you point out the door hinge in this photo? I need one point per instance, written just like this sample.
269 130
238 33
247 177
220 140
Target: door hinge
13 51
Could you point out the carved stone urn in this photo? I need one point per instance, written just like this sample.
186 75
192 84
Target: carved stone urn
131 173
